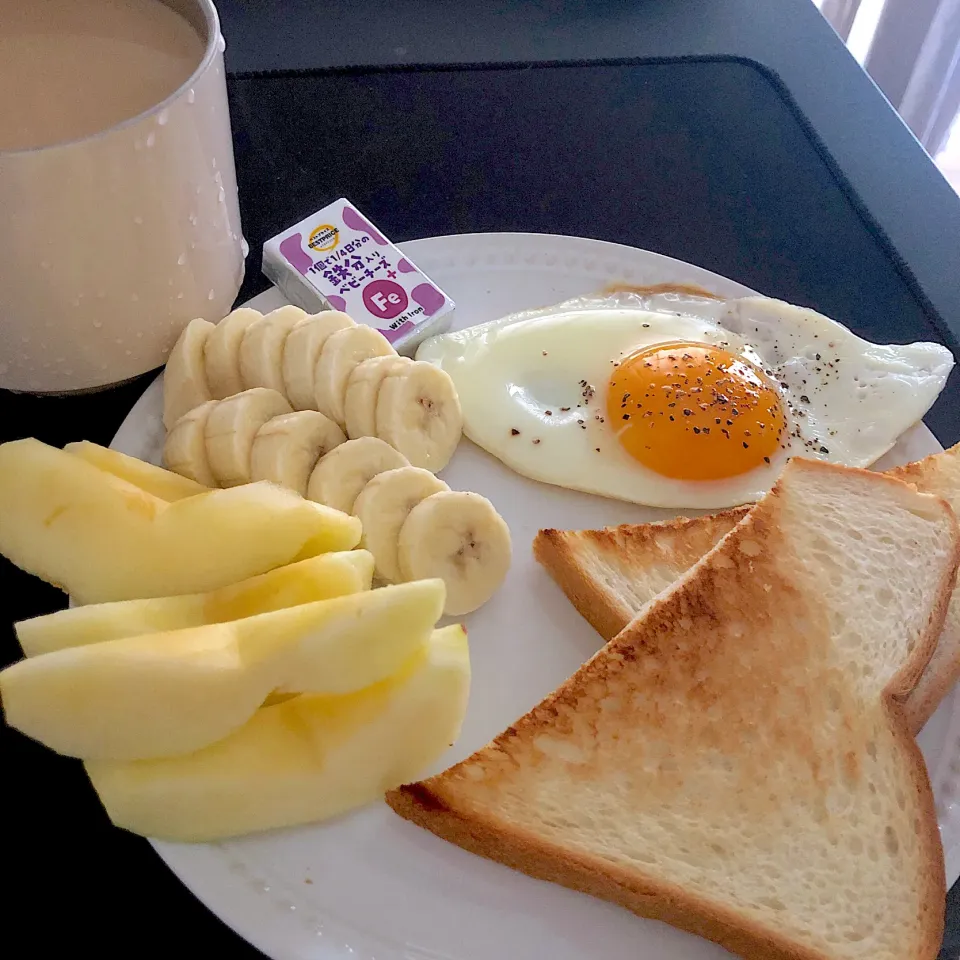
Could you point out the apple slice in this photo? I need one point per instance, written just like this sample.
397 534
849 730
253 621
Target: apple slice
318 578
101 538
164 694
306 759
164 484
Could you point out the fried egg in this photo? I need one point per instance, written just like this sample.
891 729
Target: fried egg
679 400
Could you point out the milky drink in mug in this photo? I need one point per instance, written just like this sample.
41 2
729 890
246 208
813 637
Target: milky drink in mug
118 201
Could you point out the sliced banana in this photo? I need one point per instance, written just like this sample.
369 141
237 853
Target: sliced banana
339 477
300 353
383 505
340 354
261 349
231 428
185 377
185 449
363 388
418 412
460 538
287 448
221 353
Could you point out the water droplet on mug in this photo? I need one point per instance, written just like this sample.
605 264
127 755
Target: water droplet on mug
211 295
191 95
138 220
181 260
151 139
163 116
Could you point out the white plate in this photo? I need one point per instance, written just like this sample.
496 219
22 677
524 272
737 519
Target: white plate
370 886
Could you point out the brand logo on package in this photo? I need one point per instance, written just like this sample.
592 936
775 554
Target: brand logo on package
324 238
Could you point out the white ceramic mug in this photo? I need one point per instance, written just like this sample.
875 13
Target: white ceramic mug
111 244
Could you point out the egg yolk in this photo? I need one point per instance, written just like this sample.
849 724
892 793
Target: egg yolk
690 411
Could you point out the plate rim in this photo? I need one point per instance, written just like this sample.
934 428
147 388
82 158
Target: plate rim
196 873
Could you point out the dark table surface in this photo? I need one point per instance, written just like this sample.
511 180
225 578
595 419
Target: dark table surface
77 881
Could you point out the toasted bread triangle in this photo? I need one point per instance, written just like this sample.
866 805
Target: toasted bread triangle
735 761
609 574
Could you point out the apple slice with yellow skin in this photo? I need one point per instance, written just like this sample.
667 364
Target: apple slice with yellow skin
101 538
307 759
164 484
318 578
165 694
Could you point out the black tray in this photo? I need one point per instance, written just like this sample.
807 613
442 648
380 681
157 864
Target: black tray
705 159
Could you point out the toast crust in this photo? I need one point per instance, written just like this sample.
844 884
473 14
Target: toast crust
652 646
636 547
576 560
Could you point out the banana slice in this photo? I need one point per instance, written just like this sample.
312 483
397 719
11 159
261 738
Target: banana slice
185 378
460 538
230 430
261 349
363 388
185 449
418 412
383 505
287 448
339 477
340 354
300 353
221 353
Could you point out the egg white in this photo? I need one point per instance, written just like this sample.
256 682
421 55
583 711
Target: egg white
515 376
